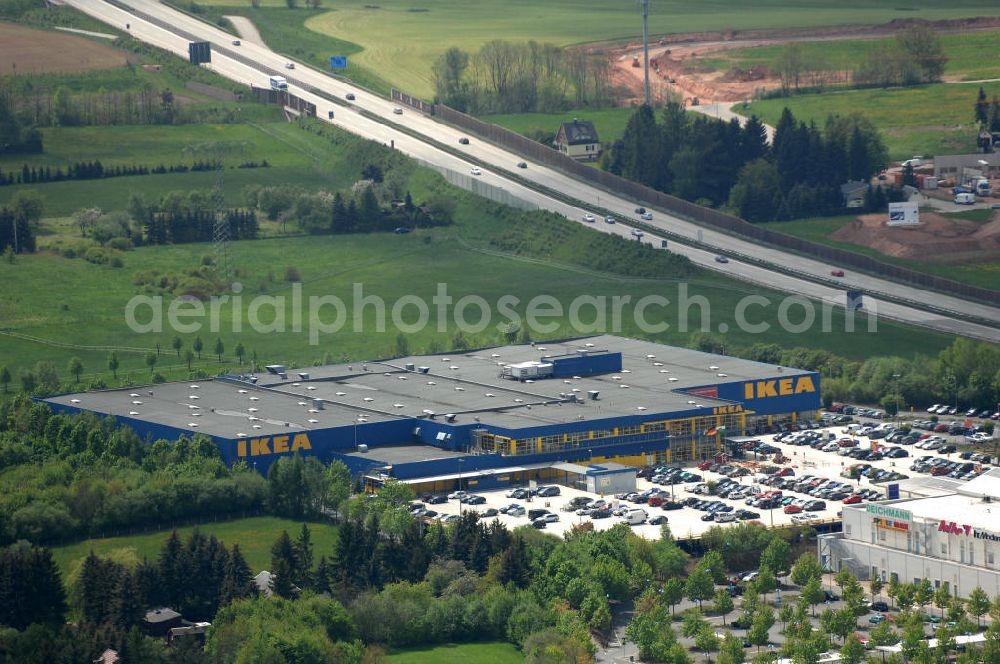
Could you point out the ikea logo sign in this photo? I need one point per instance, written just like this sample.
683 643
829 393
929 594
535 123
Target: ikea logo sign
782 387
272 445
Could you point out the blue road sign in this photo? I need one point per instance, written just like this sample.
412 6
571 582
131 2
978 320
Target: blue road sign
338 62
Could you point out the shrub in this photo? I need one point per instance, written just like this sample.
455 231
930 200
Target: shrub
96 255
117 262
292 274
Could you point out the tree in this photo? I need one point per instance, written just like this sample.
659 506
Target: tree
76 368
673 593
942 598
219 348
982 111
758 634
28 380
806 568
188 358
777 556
177 344
813 594
765 581
875 585
757 194
151 361
978 604
303 556
240 351
922 46
198 346
706 640
699 586
731 650
923 593
31 589
283 566
722 603
113 364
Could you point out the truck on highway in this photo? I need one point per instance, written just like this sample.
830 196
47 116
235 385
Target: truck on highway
279 83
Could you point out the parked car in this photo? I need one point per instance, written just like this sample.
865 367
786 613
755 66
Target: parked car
880 606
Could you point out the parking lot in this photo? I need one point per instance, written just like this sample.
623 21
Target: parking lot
824 473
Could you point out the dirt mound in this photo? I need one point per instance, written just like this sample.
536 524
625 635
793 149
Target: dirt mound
936 238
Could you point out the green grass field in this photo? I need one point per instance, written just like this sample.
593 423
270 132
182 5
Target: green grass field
971 56
400 39
925 120
985 275
255 536
609 122
464 653
294 155
59 307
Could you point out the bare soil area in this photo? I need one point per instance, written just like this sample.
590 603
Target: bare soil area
28 51
937 238
677 71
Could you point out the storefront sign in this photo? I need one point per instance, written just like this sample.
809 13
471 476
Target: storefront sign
953 528
890 524
986 535
890 512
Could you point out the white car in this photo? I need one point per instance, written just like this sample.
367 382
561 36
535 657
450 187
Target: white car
457 494
609 219
648 216
290 65
475 171
589 218
516 511
397 110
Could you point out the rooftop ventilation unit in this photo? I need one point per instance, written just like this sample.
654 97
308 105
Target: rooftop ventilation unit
283 376
276 369
410 366
318 404
423 370
593 394
304 375
713 368
450 417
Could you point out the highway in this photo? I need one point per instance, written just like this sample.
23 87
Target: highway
302 79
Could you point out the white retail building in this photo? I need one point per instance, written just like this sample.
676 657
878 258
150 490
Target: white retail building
951 539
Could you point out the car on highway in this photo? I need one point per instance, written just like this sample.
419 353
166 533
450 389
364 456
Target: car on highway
836 273
401 230
475 171
721 259
609 219
648 216
463 141
289 65
640 210
522 164
236 42
349 96
397 110
589 218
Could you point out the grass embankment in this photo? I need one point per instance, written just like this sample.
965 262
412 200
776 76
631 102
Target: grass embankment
255 536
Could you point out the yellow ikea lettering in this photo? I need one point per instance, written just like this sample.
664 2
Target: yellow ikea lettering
763 389
301 442
805 384
280 444
258 446
241 448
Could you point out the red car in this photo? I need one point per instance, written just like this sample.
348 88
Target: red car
852 499
704 465
792 509
837 273
785 472
656 501
848 442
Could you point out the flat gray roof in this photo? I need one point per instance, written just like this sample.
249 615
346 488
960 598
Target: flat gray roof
394 454
466 384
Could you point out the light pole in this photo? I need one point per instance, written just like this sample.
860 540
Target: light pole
645 45
897 376
460 463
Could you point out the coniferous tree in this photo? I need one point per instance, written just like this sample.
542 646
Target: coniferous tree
283 566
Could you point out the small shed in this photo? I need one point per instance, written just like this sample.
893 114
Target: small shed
158 622
578 139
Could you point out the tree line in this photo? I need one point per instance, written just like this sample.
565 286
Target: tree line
95 170
505 77
913 57
721 164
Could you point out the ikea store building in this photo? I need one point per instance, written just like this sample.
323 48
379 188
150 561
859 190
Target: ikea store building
486 418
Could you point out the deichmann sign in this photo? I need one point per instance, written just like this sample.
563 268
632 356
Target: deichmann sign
891 512
964 529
